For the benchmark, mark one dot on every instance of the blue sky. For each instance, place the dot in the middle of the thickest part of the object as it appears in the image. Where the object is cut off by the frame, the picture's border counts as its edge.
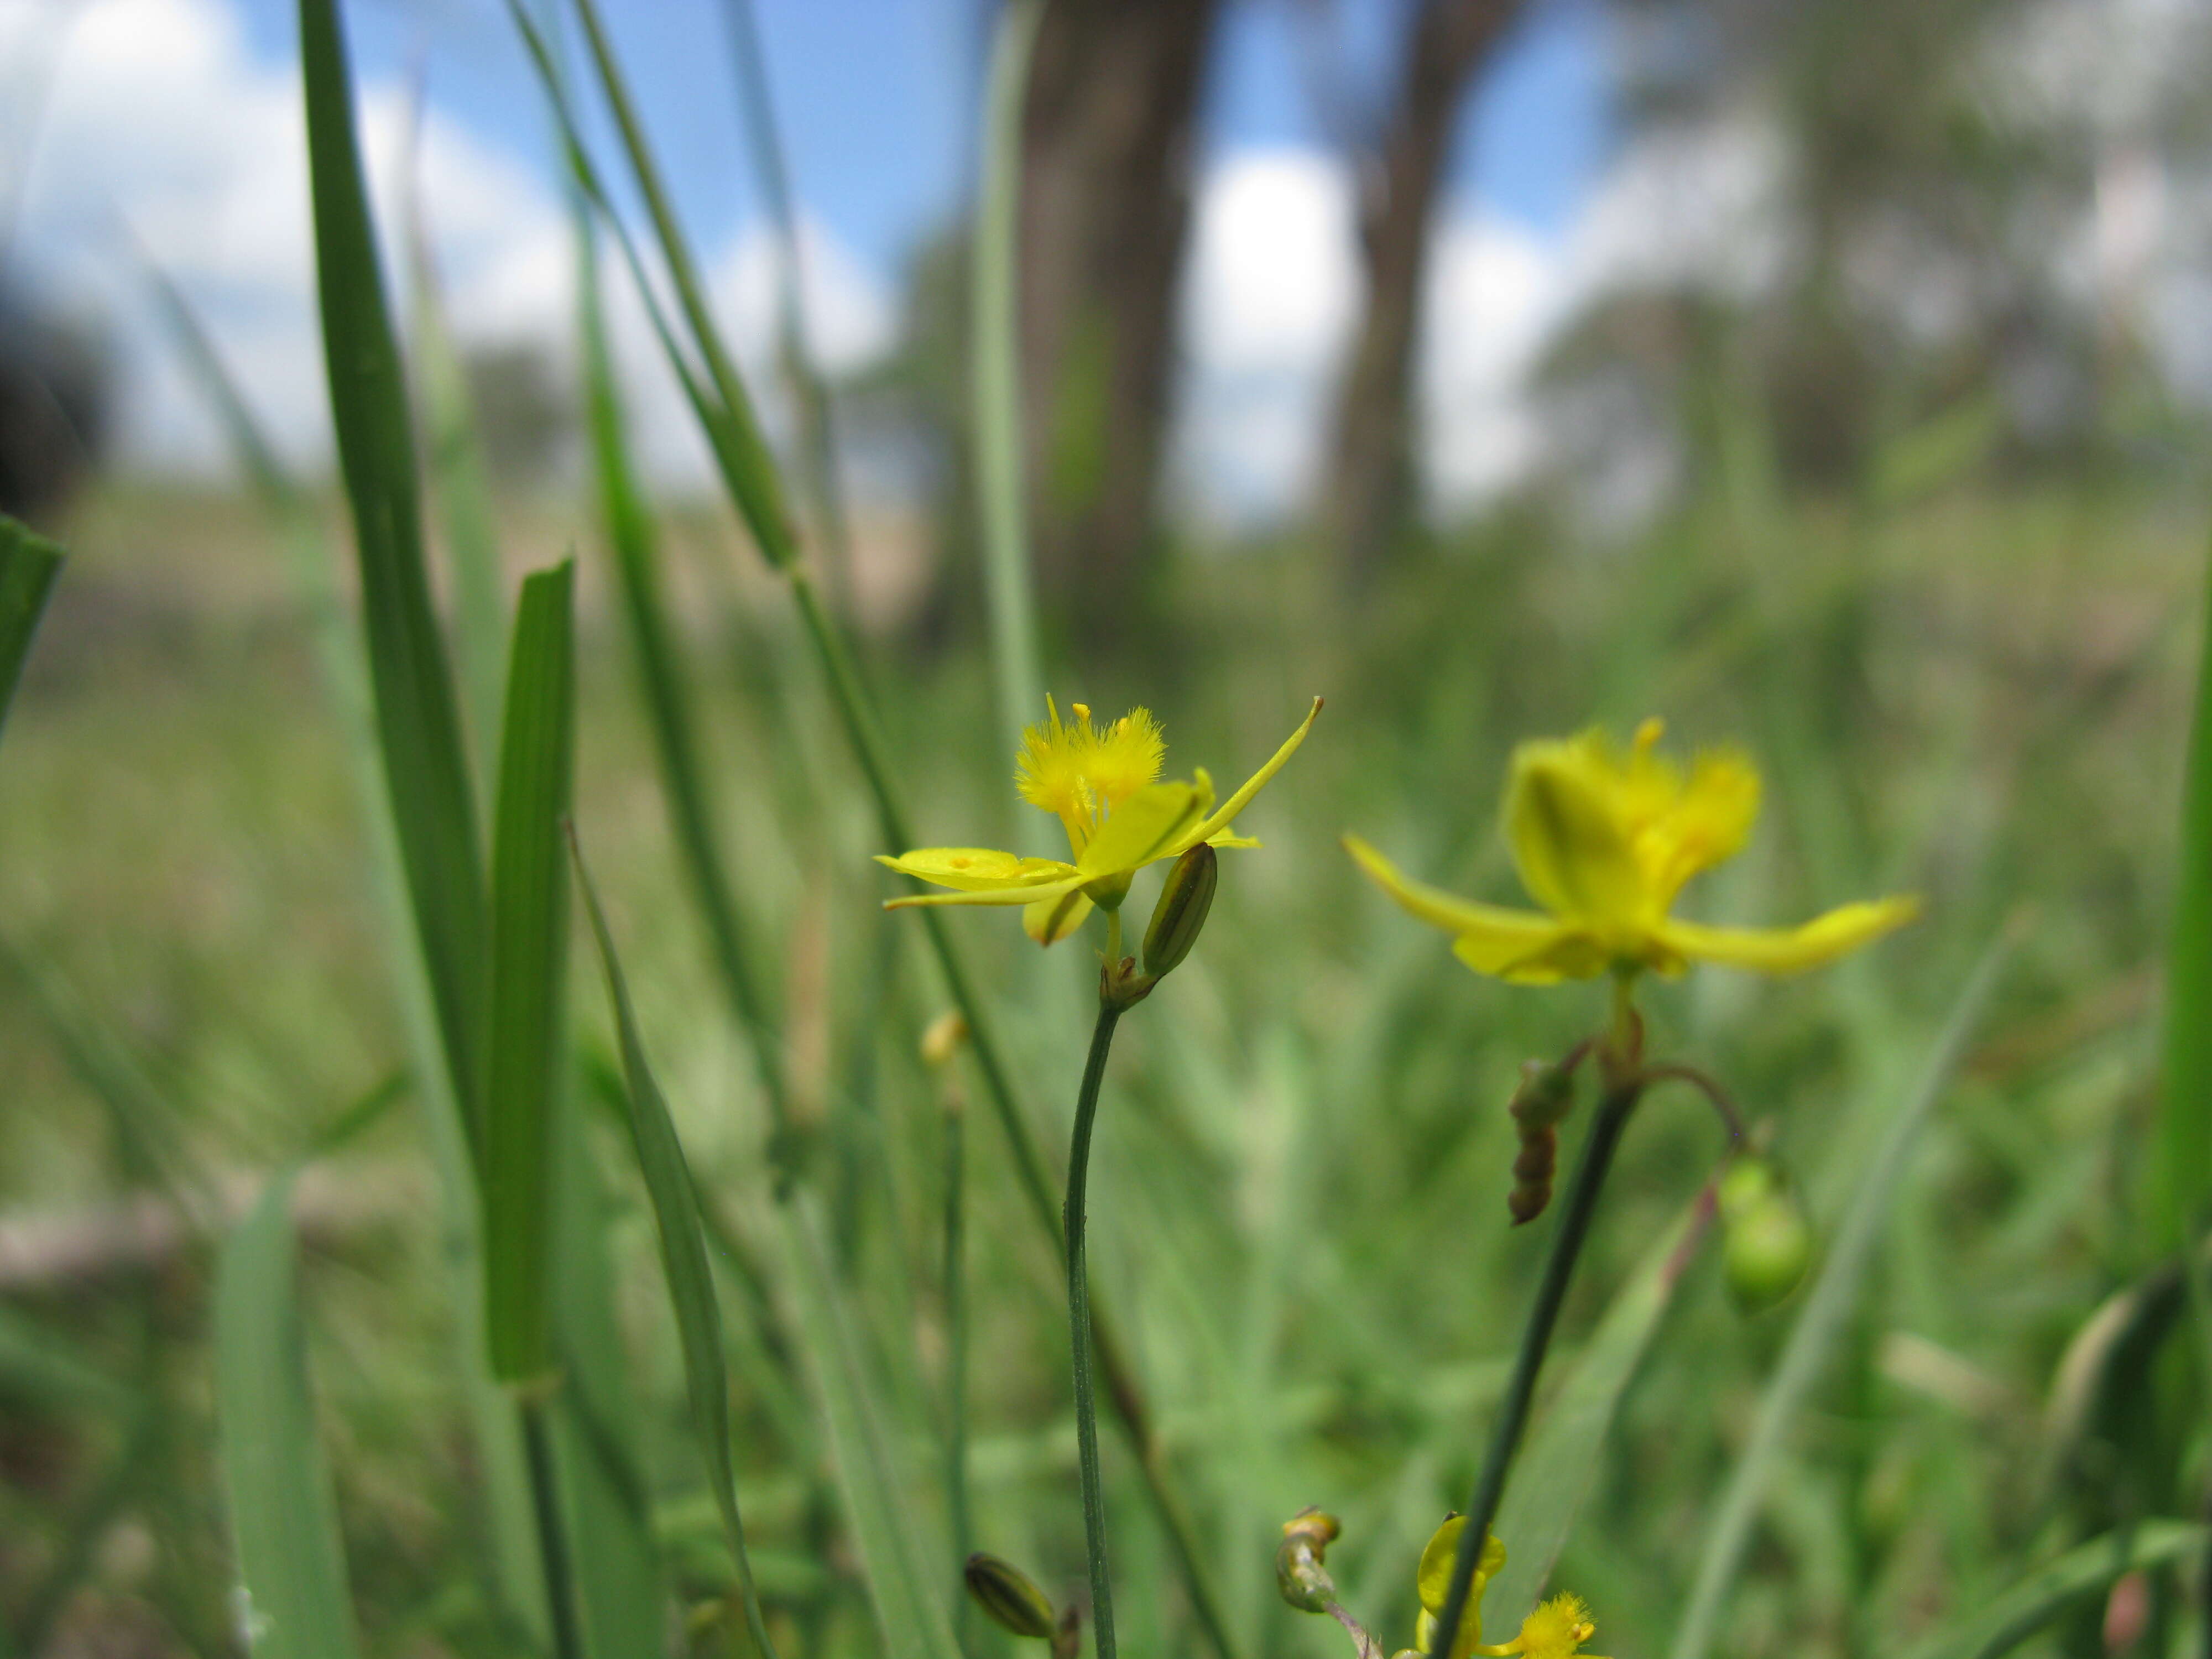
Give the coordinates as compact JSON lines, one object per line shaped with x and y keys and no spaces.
{"x":874,"y":98}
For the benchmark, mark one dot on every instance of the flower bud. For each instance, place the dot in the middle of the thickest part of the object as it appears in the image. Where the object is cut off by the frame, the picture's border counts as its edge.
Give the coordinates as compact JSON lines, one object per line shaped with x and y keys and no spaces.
{"x":1008,"y":1598}
{"x":1747,"y":1180}
{"x":943,"y":1039}
{"x":1770,"y":1246}
{"x":1185,"y":898}
{"x":1300,"y":1577}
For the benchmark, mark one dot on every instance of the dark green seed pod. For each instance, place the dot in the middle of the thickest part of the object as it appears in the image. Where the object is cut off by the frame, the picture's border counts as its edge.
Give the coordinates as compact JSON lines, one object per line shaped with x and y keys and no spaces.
{"x":1008,"y":1598}
{"x":1180,"y":916}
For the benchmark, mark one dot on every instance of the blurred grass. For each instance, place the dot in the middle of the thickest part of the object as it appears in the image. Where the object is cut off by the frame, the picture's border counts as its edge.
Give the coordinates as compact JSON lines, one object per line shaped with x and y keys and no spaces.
{"x":1978,"y":696}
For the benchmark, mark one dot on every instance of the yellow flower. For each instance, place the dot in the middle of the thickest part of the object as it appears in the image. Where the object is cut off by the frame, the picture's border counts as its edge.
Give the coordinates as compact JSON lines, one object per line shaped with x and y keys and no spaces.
{"x":1556,"y":1630}
{"x":1604,"y":840}
{"x":1099,"y":781}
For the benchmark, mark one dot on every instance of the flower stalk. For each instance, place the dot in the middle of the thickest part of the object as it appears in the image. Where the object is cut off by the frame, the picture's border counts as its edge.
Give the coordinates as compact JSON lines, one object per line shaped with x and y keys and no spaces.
{"x":1624,"y":1088}
{"x":1078,"y":1307}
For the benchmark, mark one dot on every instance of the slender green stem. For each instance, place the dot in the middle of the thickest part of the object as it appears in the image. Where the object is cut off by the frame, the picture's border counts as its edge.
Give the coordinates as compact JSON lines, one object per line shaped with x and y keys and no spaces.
{"x":1079,"y":1335}
{"x":995,"y":376}
{"x":552,"y":1533}
{"x":1113,"y":940}
{"x":1596,"y":1158}
{"x":956,"y":1358}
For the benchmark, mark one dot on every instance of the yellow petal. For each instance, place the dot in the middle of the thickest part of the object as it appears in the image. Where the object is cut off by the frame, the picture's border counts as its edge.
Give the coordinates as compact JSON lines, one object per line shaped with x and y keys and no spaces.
{"x":1141,"y":829}
{"x":1563,"y":821}
{"x":1214,"y":822}
{"x":1432,"y":1580}
{"x":1524,"y":929}
{"x":1792,"y":949}
{"x":1021,"y":893}
{"x":1538,"y":952}
{"x":1050,"y":920}
{"x":1708,"y":819}
{"x":976,"y":869}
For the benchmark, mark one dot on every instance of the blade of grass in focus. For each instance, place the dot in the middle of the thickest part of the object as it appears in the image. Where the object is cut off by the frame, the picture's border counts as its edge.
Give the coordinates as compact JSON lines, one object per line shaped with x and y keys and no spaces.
{"x":339,"y":660}
{"x":418,"y":724}
{"x":683,"y":1256}
{"x":1558,"y":1466}
{"x":28,"y":566}
{"x":994,"y":379}
{"x":2048,"y":1592}
{"x":1827,"y":1307}
{"x":529,"y":974}
{"x":283,"y":1516}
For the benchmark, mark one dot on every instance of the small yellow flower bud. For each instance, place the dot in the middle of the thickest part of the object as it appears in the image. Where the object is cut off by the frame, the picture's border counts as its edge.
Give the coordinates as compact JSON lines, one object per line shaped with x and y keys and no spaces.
{"x":943,"y":1039}
{"x":1180,"y":916}
{"x":1008,"y":1597}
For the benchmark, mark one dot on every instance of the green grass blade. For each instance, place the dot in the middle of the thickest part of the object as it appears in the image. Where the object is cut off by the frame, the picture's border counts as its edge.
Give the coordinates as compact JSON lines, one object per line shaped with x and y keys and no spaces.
{"x":42,"y":1364}
{"x":28,"y":565}
{"x":2048,"y":1592}
{"x":418,"y":727}
{"x":914,"y":1622}
{"x":1558,"y":1466}
{"x":265,"y":472}
{"x":682,"y":1257}
{"x":516,"y":1585}
{"x":634,"y":539}
{"x":2181,"y":1162}
{"x":619,"y":1590}
{"x":755,"y":484}
{"x":994,"y":380}
{"x":817,"y":429}
{"x":462,"y":489}
{"x":529,"y":974}
{"x":284,"y":1516}
{"x":1827,"y":1308}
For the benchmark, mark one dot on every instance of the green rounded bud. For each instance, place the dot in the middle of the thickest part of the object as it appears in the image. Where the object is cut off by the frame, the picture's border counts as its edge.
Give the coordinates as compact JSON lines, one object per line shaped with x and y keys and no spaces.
{"x":1300,"y":1577}
{"x":1008,"y":1598}
{"x":1180,"y":916}
{"x":1748,"y":1181}
{"x":1770,"y":1246}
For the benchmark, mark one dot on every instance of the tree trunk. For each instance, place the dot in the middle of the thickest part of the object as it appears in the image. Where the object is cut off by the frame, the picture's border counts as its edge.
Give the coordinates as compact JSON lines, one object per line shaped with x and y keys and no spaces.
{"x":1105,"y":212}
{"x":1371,"y":478}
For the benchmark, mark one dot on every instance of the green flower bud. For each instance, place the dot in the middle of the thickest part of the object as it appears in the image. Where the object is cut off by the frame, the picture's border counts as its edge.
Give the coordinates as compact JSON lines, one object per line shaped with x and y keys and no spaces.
{"x":1185,"y":898}
{"x":1748,"y":1181}
{"x":1300,"y":1577}
{"x":1008,"y":1598}
{"x":1770,"y":1246}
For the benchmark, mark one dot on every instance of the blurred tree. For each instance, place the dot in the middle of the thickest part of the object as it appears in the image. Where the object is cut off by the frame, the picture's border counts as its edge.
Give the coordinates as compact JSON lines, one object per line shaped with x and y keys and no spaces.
{"x":54,"y":396}
{"x":526,"y":416}
{"x":1105,"y":213}
{"x":1370,"y":481}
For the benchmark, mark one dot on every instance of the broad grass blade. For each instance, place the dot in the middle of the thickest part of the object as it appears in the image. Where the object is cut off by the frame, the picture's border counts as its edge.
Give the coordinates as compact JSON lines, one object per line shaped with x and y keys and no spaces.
{"x":2031,"y":1605}
{"x":529,"y":974}
{"x":1826,"y":1308}
{"x":683,"y":1256}
{"x":2181,"y":1159}
{"x":291,"y":1563}
{"x":28,"y":565}
{"x":1554,"y":1473}
{"x":418,"y":725}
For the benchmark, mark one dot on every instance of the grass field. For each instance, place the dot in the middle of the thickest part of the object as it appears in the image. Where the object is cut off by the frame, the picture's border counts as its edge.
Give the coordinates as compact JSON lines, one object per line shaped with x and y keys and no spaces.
{"x":1299,"y":1207}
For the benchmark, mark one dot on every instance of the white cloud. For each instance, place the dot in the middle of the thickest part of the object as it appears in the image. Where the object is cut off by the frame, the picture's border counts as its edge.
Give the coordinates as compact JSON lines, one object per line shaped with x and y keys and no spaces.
{"x":163,"y":127}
